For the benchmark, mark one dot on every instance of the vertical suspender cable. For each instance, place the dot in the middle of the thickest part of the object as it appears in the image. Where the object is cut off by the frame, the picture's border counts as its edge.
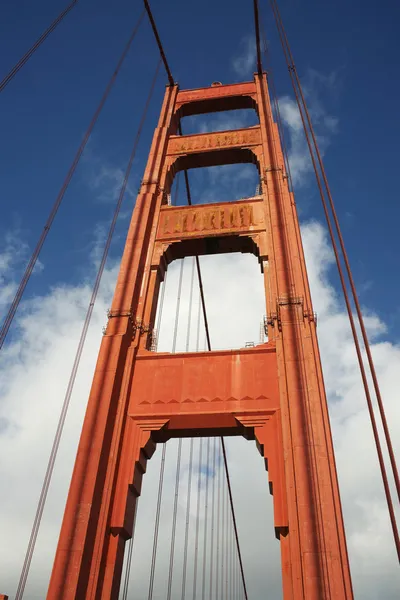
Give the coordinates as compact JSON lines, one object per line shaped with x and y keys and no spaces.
{"x":71,"y":382}
{"x":128,"y":570}
{"x":223,"y":541}
{"x":171,"y":82}
{"x":203,"y":304}
{"x":203,"y":584}
{"x":160,"y":309}
{"x":305,"y":115}
{"x":175,"y":511}
{"x":211,"y":588}
{"x":217,"y":575}
{"x":28,"y":271}
{"x":196,"y":543}
{"x":198,"y":324}
{"x":178,"y":304}
{"x":24,"y":59}
{"x":190,"y":307}
{"x":185,"y":546}
{"x":157,"y":523}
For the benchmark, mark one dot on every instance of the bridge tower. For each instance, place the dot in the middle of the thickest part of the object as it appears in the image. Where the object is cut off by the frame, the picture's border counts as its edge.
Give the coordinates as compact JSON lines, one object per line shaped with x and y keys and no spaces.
{"x":272,"y":393}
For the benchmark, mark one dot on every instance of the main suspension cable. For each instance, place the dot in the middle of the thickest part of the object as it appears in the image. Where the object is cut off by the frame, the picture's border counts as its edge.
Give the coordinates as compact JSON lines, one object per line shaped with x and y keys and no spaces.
{"x":24,"y":59}
{"x":171,"y":82}
{"x":305,"y":116}
{"x":257,"y":31}
{"x":75,"y":366}
{"x":159,"y":44}
{"x":203,"y":304}
{"x":348,"y":270}
{"x":29,"y":269}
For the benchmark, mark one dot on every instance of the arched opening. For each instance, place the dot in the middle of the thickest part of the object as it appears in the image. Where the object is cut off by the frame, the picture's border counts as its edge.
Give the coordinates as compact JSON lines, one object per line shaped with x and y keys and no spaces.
{"x":234,"y":296}
{"x":219,"y":121}
{"x":225,"y":183}
{"x":253,"y":509}
{"x":215,"y":176}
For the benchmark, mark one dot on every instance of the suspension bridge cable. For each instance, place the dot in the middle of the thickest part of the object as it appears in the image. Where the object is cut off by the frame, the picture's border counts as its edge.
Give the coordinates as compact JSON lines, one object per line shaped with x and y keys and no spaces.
{"x":24,"y":59}
{"x":157,"y":523}
{"x":190,"y":307}
{"x":171,"y":82}
{"x":196,"y":543}
{"x":220,"y":480}
{"x":228,"y":481}
{"x":189,"y":200}
{"x":223,"y":541}
{"x":128,"y":570}
{"x":160,"y":311}
{"x":211,"y":588}
{"x":257,"y":30}
{"x":206,"y":495}
{"x":75,"y":366}
{"x":198,"y":324}
{"x":347,"y":264}
{"x":185,"y":546}
{"x":175,"y":512}
{"x":304,"y":113}
{"x":178,"y":305}
{"x":159,"y":44}
{"x":28,"y":271}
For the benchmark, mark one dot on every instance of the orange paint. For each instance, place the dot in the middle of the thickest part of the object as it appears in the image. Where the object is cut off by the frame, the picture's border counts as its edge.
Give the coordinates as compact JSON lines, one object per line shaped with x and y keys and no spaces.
{"x":273,"y":393}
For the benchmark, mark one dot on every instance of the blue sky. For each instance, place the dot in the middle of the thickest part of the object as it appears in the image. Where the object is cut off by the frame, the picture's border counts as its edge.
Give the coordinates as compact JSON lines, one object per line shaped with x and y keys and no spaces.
{"x":47,"y":107}
{"x":347,"y":55}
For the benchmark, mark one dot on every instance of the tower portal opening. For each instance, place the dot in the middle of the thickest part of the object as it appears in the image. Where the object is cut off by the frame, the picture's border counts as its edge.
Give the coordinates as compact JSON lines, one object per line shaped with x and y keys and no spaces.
{"x":235,"y":303}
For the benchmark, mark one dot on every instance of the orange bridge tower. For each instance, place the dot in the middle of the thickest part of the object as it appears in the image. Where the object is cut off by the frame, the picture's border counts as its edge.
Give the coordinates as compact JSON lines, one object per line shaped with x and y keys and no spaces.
{"x":272,"y":393}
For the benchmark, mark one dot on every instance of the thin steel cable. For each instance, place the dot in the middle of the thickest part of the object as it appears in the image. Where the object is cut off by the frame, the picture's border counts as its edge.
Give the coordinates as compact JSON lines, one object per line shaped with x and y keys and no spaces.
{"x":198,"y":324}
{"x":24,"y":59}
{"x":159,"y":44}
{"x":217,"y":577}
{"x":157,"y":523}
{"x":206,"y":495}
{"x":176,"y":193}
{"x":175,"y":512}
{"x":348,"y":269}
{"x":28,"y":271}
{"x":228,"y":480}
{"x":189,"y":322}
{"x":178,"y":305}
{"x":208,"y":340}
{"x":257,"y":31}
{"x":223,"y":541}
{"x":75,"y":366}
{"x":161,"y":308}
{"x":185,"y":547}
{"x":128,"y":570}
{"x":211,"y":588}
{"x":196,"y":543}
{"x":302,"y":106}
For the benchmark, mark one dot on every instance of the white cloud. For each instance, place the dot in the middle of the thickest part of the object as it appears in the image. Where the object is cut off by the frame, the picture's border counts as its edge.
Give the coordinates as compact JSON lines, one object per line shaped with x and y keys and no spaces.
{"x":14,"y":254}
{"x":315,"y":85}
{"x":34,"y":371}
{"x":244,"y":63}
